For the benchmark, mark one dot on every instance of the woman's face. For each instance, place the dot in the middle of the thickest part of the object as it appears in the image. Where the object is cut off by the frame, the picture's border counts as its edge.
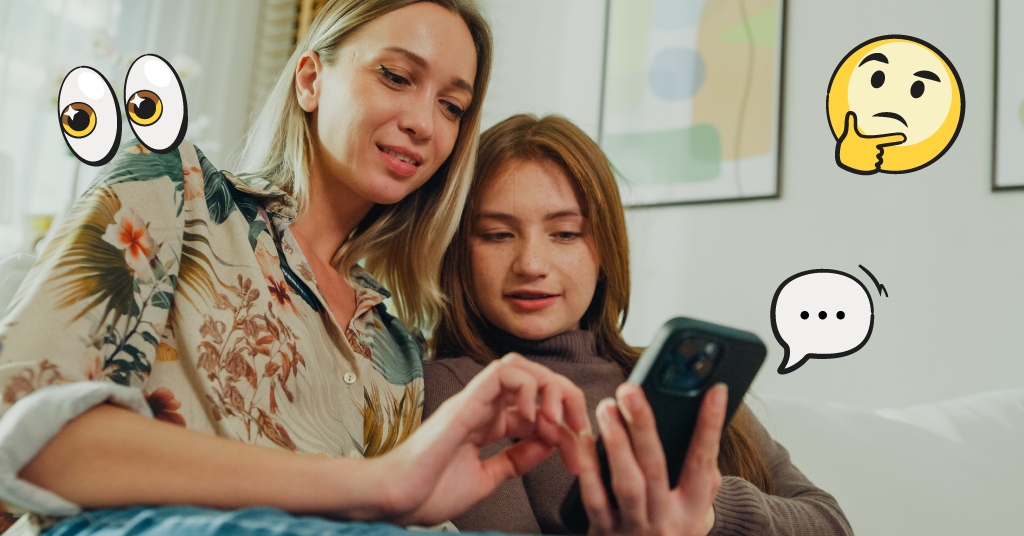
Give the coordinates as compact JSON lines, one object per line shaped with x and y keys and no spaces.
{"x":386,"y":113}
{"x":535,"y":266}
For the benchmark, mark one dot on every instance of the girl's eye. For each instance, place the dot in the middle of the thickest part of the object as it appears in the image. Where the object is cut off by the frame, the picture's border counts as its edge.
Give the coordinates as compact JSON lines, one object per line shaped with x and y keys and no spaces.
{"x":567,"y":235}
{"x":453,"y":110}
{"x":392,"y":77}
{"x":497,"y":236}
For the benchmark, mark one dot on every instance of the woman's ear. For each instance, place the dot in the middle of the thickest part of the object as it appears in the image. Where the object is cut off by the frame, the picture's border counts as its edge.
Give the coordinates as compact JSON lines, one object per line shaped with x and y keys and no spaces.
{"x":307,"y":80}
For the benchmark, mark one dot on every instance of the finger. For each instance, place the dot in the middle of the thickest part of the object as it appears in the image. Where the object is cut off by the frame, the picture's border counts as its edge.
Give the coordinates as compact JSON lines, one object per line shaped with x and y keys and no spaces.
{"x":563,"y":439}
{"x":517,"y":460}
{"x":850,"y":125}
{"x":592,"y":492}
{"x":700,"y":478}
{"x":643,"y":432}
{"x":628,"y":482}
{"x":573,"y":407}
{"x":886,"y":141}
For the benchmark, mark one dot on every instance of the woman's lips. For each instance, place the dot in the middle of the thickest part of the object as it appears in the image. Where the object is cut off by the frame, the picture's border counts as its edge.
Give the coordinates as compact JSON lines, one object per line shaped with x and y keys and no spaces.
{"x":398,"y":164}
{"x":530,"y":301}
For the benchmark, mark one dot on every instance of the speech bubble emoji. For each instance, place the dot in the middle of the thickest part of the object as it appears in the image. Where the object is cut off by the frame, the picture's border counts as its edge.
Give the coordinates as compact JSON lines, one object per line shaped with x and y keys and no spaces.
{"x":895,"y":104}
{"x":821,"y":314}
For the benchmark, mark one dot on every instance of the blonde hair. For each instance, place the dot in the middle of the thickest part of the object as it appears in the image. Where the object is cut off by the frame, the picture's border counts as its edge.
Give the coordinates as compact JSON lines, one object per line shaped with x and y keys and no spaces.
{"x":402,"y":243}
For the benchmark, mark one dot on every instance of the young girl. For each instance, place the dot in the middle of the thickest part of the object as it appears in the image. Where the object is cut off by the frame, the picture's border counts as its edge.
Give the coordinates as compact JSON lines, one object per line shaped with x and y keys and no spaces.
{"x":196,"y":343}
{"x":540,"y":266}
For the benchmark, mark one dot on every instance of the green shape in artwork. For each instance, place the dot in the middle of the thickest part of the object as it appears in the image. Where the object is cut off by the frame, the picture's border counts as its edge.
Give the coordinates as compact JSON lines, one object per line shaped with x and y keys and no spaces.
{"x":684,"y":155}
{"x":762,"y":30}
{"x":1021,"y":113}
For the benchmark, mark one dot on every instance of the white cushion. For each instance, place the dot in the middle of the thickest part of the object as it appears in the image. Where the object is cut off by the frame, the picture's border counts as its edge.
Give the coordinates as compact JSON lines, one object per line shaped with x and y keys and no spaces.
{"x":12,"y":273}
{"x":945,"y":468}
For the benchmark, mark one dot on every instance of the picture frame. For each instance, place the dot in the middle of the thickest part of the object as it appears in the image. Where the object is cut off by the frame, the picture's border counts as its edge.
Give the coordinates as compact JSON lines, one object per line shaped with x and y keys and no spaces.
{"x":673,"y":122}
{"x":1008,"y":113}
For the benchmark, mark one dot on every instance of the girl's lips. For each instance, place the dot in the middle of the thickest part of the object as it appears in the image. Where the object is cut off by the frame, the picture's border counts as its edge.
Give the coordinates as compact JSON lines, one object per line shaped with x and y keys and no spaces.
{"x":398,"y":166}
{"x":532,"y":305}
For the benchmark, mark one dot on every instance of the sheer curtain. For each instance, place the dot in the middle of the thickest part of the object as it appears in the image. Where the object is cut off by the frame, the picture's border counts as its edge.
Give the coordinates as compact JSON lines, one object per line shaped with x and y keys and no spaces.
{"x":213,"y":44}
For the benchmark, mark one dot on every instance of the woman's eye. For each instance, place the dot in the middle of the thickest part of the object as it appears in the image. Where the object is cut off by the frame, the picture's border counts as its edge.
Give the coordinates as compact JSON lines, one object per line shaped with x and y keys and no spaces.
{"x":567,"y":235}
{"x":155,"y":103}
{"x":89,"y":116}
{"x":392,"y":77}
{"x":454,"y":110}
{"x":497,"y":236}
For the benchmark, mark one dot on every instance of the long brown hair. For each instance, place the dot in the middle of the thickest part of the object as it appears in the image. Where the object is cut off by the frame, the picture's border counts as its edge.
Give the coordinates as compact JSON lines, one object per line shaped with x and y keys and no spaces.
{"x":462,"y":327}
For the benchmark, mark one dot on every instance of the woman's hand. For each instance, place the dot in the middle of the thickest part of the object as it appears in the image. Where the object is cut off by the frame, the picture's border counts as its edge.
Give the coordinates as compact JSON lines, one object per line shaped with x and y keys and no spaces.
{"x":639,"y":475}
{"x":437,"y":473}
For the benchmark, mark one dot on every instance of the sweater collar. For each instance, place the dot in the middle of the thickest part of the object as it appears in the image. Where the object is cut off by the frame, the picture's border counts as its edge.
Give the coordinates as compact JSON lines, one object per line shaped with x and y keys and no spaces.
{"x":575,"y":345}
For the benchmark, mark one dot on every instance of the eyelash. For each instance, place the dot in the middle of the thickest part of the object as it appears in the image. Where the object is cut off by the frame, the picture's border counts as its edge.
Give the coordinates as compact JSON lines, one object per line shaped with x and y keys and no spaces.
{"x":452,"y":109}
{"x":571,"y":235}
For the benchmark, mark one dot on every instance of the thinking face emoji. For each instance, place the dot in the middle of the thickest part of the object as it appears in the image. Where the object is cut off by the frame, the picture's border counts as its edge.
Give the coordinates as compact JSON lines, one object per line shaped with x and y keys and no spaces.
{"x":895,"y":104}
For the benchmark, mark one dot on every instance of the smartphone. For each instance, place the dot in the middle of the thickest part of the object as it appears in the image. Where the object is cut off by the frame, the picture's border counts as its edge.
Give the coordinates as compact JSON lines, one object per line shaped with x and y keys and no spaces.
{"x":684,"y":360}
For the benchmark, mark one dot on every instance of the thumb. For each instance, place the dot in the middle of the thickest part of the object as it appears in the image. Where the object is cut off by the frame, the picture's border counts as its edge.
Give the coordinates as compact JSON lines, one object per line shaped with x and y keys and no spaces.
{"x":851,"y":124}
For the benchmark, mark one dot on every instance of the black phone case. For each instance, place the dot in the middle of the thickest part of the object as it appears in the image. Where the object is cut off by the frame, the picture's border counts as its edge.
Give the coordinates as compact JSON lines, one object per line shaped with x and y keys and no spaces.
{"x":674,"y":398}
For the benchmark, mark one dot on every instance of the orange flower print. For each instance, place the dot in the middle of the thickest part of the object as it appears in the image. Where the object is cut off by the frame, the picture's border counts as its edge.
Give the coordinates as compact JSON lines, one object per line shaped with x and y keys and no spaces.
{"x":193,"y":183}
{"x":136,"y":149}
{"x":165,"y":406}
{"x":129,"y":233}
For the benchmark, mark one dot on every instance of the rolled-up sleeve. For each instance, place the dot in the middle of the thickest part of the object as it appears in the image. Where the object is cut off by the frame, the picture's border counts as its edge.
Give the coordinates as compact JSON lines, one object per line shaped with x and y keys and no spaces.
{"x":85,"y":326}
{"x":30,"y":423}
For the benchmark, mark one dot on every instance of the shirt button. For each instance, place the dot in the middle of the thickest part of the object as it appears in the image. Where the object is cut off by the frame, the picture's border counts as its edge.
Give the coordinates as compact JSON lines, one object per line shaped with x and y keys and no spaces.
{"x":350,"y":378}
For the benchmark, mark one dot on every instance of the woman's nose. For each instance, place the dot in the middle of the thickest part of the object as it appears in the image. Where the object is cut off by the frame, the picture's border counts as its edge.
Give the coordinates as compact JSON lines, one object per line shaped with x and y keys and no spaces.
{"x":532,"y":259}
{"x":417,"y":119}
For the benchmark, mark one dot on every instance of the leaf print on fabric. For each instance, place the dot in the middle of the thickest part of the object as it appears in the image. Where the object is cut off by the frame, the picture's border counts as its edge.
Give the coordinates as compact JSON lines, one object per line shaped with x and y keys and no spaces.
{"x":135,"y":163}
{"x":109,"y":259}
{"x":165,"y":406}
{"x":165,"y":353}
{"x":218,"y":193}
{"x":387,"y":420}
{"x":232,"y":355}
{"x":98,"y":271}
{"x":129,"y":234}
{"x":196,"y":272}
{"x":30,"y":379}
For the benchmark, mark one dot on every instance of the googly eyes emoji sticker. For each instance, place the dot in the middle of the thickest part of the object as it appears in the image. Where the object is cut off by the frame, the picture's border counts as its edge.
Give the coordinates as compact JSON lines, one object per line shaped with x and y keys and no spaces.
{"x":895,"y":105}
{"x":155,"y":105}
{"x":89,"y":116}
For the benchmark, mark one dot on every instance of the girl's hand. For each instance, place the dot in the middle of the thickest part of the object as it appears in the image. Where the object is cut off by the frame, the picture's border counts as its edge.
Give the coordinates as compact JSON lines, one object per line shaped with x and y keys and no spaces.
{"x":639,"y":476}
{"x":437,"y":472}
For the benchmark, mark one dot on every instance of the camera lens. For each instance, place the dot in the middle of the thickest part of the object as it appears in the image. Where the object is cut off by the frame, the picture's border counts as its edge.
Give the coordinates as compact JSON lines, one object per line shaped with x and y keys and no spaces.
{"x":689,"y":348}
{"x":711,"y":349}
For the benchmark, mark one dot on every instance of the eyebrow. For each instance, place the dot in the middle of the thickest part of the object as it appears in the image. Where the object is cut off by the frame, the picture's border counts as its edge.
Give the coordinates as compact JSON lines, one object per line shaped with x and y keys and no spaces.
{"x":501,"y":216}
{"x":874,"y":57}
{"x":927,"y":74}
{"x":422,"y":62}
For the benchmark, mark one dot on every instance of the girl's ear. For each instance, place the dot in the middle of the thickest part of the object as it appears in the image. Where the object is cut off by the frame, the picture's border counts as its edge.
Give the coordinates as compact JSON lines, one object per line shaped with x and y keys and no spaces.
{"x":307,"y":80}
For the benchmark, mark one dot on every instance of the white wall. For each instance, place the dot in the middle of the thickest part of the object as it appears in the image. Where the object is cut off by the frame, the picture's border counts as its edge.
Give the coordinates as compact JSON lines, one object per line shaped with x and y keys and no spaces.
{"x":950,"y":252}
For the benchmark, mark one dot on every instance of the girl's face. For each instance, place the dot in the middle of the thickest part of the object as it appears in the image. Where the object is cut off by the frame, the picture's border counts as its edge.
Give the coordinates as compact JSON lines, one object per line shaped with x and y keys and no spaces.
{"x":386,"y":113}
{"x":534,"y":263}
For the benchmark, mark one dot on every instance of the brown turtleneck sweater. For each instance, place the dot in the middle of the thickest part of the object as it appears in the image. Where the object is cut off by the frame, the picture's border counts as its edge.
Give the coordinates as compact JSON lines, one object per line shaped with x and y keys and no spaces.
{"x":530,"y":505}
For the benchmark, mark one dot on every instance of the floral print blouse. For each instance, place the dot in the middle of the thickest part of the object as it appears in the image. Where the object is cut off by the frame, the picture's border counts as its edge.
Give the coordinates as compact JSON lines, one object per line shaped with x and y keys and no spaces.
{"x":177,"y":290}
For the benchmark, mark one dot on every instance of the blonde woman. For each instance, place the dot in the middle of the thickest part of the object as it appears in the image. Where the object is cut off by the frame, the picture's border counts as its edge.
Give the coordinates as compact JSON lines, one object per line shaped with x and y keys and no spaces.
{"x":206,"y":340}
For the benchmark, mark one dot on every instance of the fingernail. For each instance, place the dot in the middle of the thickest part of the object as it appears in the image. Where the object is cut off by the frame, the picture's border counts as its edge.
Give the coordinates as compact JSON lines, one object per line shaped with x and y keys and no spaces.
{"x":627,"y":401}
{"x":603,"y":417}
{"x":723,"y":392}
